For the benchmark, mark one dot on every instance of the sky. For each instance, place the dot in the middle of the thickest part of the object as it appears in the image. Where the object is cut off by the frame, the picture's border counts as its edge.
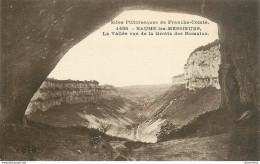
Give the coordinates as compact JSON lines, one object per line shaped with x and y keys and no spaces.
{"x":132,"y":60}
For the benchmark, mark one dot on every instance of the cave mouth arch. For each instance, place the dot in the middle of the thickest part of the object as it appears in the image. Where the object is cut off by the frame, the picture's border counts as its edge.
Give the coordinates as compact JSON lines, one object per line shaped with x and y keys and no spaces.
{"x":147,"y":53}
{"x":175,"y":48}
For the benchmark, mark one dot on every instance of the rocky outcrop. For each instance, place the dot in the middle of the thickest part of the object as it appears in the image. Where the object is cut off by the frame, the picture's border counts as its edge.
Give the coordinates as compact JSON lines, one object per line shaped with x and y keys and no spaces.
{"x":57,"y":92}
{"x":177,"y":105}
{"x":66,"y":103}
{"x":201,"y":69}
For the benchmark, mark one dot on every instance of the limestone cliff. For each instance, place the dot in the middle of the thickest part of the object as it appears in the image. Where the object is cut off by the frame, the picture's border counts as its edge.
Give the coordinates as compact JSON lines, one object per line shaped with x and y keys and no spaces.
{"x":192,"y":94}
{"x":201,"y":69}
{"x":57,"y":92}
{"x":66,"y":103}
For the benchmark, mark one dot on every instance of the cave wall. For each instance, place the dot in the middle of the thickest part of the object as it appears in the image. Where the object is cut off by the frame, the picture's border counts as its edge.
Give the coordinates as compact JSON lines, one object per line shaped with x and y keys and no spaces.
{"x":239,"y":70}
{"x":239,"y":81}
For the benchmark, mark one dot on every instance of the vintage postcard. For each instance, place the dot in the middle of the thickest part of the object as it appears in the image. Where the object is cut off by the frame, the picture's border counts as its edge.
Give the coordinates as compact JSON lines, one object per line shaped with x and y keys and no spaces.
{"x":129,"y":80}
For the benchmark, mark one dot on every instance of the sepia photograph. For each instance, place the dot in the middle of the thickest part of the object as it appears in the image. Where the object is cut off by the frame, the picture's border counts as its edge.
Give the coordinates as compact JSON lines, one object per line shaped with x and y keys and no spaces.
{"x":129,"y":80}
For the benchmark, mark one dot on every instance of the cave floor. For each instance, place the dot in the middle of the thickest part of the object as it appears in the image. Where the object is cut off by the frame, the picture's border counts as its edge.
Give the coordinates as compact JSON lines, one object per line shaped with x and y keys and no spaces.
{"x":198,"y":148}
{"x":78,"y":144}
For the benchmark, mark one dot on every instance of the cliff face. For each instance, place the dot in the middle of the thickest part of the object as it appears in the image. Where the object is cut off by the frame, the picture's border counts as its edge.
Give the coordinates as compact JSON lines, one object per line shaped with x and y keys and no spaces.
{"x":66,"y":103}
{"x":178,"y":106}
{"x":201,"y":69}
{"x":57,"y":92}
{"x":182,"y":103}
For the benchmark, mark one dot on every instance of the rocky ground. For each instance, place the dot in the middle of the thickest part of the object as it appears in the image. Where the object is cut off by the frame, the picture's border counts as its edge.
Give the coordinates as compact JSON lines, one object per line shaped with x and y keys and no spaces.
{"x":44,"y":143}
{"x":72,"y":144}
{"x":198,"y":148}
{"x":177,"y":106}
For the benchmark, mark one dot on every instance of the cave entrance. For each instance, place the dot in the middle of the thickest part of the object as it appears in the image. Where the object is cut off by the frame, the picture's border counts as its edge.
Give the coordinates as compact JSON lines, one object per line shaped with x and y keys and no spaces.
{"x":138,"y":56}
